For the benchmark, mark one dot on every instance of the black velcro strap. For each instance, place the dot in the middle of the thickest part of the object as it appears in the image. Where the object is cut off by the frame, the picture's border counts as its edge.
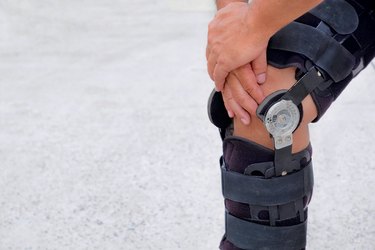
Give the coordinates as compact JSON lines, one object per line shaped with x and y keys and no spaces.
{"x":256,"y":190}
{"x":304,"y":86}
{"x":338,"y":14}
{"x":248,"y":235}
{"x":322,"y":50}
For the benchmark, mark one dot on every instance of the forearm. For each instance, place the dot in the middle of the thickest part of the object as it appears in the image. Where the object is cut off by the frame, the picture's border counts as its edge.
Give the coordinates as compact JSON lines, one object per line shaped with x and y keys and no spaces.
{"x":222,"y":3}
{"x":269,"y":16}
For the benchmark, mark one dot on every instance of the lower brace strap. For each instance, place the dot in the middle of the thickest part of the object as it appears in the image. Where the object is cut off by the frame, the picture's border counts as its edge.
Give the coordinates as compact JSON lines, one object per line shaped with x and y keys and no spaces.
{"x":267,"y":192}
{"x":247,"y":235}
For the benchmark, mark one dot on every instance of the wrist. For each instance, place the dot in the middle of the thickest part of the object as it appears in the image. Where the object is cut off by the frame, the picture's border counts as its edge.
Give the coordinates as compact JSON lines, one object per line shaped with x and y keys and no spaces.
{"x":222,"y":3}
{"x":257,"y":23}
{"x":266,"y":16}
{"x":258,"y":31}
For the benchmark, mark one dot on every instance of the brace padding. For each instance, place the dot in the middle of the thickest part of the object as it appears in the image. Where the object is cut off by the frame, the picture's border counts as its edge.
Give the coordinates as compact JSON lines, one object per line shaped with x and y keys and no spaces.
{"x":338,"y":14}
{"x":338,"y":37}
{"x":316,"y":46}
{"x":253,"y":236}
{"x":263,"y":211}
{"x":267,"y":192}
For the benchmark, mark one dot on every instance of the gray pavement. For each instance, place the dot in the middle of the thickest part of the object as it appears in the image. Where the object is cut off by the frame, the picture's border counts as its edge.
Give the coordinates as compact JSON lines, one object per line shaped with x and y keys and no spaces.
{"x":105,"y":143}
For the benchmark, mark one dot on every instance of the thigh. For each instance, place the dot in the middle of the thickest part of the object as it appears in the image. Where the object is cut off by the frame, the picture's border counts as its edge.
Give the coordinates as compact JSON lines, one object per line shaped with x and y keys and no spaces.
{"x":278,"y":79}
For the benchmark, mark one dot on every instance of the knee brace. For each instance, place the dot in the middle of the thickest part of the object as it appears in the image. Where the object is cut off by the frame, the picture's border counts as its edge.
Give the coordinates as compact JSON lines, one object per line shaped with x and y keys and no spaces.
{"x":267,"y":192}
{"x":264,"y":210}
{"x":337,"y":38}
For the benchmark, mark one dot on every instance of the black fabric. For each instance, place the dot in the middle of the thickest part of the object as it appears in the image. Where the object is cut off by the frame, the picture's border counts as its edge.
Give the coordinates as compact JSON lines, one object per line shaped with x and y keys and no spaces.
{"x":304,"y":86}
{"x":323,"y":99}
{"x":240,"y":153}
{"x":316,"y":46}
{"x":360,"y":44}
{"x":217,"y":113}
{"x":267,"y":192}
{"x":345,"y":22}
{"x":240,"y":156}
{"x":252,"y":236}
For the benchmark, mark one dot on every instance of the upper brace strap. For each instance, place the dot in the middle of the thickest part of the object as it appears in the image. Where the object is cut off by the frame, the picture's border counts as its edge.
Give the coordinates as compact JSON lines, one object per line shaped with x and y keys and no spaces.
{"x":248,"y":235}
{"x":275,"y":191}
{"x":316,"y":46}
{"x":344,"y":23}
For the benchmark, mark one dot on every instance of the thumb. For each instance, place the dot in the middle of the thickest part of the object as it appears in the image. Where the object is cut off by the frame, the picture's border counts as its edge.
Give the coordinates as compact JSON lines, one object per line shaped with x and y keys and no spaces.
{"x":259,"y":66}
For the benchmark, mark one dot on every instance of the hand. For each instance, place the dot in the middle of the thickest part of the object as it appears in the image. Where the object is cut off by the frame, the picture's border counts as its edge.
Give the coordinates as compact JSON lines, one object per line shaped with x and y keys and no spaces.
{"x":242,"y":94}
{"x":233,"y":41}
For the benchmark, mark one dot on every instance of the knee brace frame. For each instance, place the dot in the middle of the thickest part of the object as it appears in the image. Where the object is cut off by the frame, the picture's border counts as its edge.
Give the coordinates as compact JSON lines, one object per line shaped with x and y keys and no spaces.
{"x":342,"y":31}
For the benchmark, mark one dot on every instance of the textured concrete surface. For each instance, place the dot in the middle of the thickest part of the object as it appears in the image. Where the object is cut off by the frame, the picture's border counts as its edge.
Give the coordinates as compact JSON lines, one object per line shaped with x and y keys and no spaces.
{"x":105,"y":143}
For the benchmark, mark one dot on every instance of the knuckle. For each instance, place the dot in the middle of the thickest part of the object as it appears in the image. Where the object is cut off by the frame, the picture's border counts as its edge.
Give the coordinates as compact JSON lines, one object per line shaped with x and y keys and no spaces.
{"x":252,"y":107}
{"x":215,"y":49}
{"x":227,"y":98}
{"x":221,"y":60}
{"x":242,"y":99}
{"x":249,"y":89}
{"x":230,"y":99}
{"x":259,"y":67}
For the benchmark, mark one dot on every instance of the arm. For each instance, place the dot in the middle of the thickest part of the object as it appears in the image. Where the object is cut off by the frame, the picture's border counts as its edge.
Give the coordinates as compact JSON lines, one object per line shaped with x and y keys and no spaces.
{"x":239,"y":33}
{"x":272,"y":15}
{"x":222,"y":3}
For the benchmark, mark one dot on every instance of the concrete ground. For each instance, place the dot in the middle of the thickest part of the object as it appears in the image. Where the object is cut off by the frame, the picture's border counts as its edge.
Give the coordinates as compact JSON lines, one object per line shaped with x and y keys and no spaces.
{"x":105,"y":142}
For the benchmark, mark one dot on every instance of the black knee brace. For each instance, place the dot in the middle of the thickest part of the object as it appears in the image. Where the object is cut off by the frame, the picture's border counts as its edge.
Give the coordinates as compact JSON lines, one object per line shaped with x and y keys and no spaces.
{"x":264,"y":211}
{"x":337,"y":37}
{"x":267,"y":192}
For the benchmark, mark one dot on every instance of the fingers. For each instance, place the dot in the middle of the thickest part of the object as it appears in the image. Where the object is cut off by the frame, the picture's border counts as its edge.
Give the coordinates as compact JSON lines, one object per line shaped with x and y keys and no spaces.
{"x":241,"y":96}
{"x":233,"y":108}
{"x":215,"y":66}
{"x":213,"y":71}
{"x":246,"y":77}
{"x":216,"y":72}
{"x":219,"y":75}
{"x":211,"y":61}
{"x":237,"y":101}
{"x":259,"y":66}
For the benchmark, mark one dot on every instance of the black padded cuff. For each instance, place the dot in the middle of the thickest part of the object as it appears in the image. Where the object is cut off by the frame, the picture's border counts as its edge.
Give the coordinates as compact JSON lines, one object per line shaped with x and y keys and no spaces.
{"x":248,"y":235}
{"x":275,"y":191}
{"x":321,"y":48}
{"x":344,"y":23}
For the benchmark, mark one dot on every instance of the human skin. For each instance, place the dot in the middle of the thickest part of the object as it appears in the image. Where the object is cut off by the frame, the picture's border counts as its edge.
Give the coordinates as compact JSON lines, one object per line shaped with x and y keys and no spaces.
{"x":236,"y":48}
{"x":255,"y":131}
{"x":236,"y":97}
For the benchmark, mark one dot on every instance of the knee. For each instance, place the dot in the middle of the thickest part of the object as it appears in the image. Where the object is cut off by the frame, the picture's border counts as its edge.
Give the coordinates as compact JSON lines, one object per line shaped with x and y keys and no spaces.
{"x":278,"y":79}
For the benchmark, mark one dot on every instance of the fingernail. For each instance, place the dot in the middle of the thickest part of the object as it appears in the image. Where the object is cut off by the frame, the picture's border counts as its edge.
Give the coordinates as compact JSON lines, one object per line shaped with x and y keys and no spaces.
{"x":261,"y":78}
{"x":245,"y":121}
{"x":230,"y":114}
